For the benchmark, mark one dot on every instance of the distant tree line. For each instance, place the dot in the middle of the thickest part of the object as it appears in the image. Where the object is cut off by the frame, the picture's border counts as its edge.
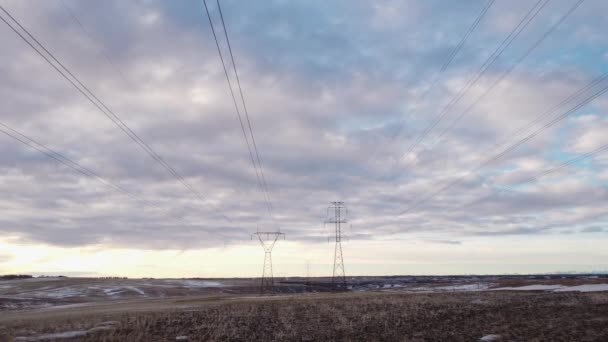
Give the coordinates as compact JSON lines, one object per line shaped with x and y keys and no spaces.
{"x":15,"y":276}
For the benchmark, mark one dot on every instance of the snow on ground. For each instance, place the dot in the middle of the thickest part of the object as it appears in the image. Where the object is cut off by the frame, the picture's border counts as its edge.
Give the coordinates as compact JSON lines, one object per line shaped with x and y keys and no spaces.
{"x":117,"y":290}
{"x":197,"y":283}
{"x":464,"y":287}
{"x":66,"y":334}
{"x":447,"y":288}
{"x":489,"y":338}
{"x":557,"y":288}
{"x":63,"y":292}
{"x":585,"y":288}
{"x":135,"y":289}
{"x":100,"y":288}
{"x":109,"y":325}
{"x":530,"y":288}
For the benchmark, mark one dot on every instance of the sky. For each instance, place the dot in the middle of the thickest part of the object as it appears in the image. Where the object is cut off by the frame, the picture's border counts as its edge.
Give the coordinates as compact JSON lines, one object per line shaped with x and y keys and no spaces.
{"x":339,"y":96}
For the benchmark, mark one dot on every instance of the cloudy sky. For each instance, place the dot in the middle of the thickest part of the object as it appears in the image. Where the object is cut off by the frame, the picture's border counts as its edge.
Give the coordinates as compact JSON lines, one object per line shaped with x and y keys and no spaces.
{"x":340,"y":94}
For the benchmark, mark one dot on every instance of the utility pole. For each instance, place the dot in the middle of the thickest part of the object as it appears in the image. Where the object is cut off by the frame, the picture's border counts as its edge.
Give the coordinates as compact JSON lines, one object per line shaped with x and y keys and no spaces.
{"x":339,"y":212}
{"x":267,"y":240}
{"x":307,"y":274}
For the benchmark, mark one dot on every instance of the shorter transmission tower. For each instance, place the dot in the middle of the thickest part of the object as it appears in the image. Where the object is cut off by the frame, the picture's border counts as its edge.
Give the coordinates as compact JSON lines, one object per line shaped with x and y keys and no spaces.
{"x":339,"y":212}
{"x":268,"y":240}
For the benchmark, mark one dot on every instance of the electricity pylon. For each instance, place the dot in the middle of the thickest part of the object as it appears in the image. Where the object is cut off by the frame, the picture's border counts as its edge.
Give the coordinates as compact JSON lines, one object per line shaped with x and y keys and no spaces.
{"x":267,"y":240}
{"x":339,"y":212}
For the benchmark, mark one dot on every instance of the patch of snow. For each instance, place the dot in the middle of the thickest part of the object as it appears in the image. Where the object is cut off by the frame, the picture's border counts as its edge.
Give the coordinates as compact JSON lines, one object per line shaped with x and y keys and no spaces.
{"x":113,"y":291}
{"x":200,"y":283}
{"x":16,"y":298}
{"x":585,"y":288}
{"x":490,"y":338}
{"x":108,"y":323}
{"x":464,"y":287}
{"x":181,"y":338}
{"x":461,"y":287}
{"x":65,"y":334}
{"x":135,"y":289}
{"x":100,"y":328}
{"x":531,"y":288}
{"x":117,"y":290}
{"x":103,"y":326}
{"x":62,"y":292}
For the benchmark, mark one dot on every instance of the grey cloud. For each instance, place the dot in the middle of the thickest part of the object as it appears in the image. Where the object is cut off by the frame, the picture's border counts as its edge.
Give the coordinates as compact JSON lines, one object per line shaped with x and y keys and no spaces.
{"x":444,"y":242}
{"x":596,"y":229}
{"x":335,"y":101}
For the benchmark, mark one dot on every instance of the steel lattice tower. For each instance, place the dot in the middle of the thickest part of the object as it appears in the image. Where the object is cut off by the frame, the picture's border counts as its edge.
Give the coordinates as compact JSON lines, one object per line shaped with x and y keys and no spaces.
{"x":268,"y":240}
{"x":339,"y":212}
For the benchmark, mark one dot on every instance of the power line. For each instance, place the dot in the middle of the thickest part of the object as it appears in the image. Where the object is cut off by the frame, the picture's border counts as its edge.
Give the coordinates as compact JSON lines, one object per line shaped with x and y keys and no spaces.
{"x":509,"y":70}
{"x":489,"y":61}
{"x":61,"y":158}
{"x":518,"y":132}
{"x":70,"y":163}
{"x":448,"y":61}
{"x":523,"y":23}
{"x":466,"y":36}
{"x":100,"y":105}
{"x":74,"y":17}
{"x":261,"y":184}
{"x":569,"y":162}
{"x":522,"y":129}
{"x":238,"y":81}
{"x":555,"y":120}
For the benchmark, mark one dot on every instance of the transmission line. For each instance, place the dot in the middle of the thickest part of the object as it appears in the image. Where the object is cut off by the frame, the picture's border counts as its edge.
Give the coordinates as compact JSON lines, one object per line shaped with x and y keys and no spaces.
{"x":91,"y":97}
{"x":519,"y":131}
{"x":509,"y":70}
{"x":569,"y":162}
{"x":61,"y":158}
{"x":74,"y":17}
{"x":448,"y":61}
{"x":259,"y":173}
{"x":466,"y":36}
{"x":523,"y":23}
{"x":238,"y":81}
{"x":547,"y":125}
{"x":75,"y":166}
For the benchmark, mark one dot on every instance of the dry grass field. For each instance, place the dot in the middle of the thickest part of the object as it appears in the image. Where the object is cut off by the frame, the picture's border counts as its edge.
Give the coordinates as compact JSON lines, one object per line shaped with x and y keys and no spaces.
{"x":459,"y":316}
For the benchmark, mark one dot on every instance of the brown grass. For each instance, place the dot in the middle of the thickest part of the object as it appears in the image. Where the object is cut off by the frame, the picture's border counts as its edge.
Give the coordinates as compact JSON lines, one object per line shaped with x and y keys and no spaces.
{"x":354,"y":317}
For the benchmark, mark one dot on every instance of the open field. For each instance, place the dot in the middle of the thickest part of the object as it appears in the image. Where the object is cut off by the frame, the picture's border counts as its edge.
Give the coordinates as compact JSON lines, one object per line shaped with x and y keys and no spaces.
{"x":364,"y":316}
{"x":378,"y":308}
{"x":40,"y":293}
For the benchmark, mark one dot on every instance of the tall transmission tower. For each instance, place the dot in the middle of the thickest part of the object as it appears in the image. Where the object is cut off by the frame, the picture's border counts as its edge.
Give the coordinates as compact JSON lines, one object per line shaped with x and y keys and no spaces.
{"x":268,"y":240}
{"x":339,"y":212}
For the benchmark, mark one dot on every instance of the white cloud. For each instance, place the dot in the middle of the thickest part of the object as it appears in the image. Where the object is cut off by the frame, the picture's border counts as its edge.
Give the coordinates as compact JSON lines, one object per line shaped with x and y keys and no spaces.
{"x":334,"y":109}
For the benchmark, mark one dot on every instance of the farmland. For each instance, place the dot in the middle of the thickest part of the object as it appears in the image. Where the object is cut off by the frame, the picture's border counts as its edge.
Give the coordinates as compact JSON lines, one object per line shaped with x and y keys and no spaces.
{"x":198,"y":310}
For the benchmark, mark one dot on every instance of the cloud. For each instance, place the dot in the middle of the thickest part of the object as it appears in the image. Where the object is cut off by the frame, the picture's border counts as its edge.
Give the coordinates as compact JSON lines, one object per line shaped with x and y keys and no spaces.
{"x":335,"y":94}
{"x":444,"y":242}
{"x":590,"y":133}
{"x":593,"y":229}
{"x":5,"y":257}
